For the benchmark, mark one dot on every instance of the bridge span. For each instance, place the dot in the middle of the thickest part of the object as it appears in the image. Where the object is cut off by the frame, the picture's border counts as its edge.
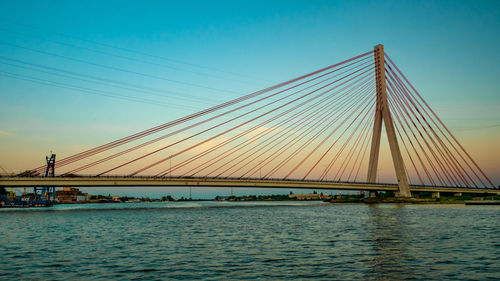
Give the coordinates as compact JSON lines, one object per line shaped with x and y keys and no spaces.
{"x":120,"y":181}
{"x":324,"y":124}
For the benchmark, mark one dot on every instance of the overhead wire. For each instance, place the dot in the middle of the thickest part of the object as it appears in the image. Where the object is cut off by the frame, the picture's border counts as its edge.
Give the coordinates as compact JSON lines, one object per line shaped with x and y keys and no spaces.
{"x":329,"y":148}
{"x":436,"y":117}
{"x":271,"y":119}
{"x":346,"y":106}
{"x":82,"y":89}
{"x":115,"y":55}
{"x":336,"y":96}
{"x":303,"y":146}
{"x":164,"y":126}
{"x":296,"y":124}
{"x":397,"y":126}
{"x":225,"y":122}
{"x":440,"y":157}
{"x":99,"y":80}
{"x":415,"y":131}
{"x":288,"y":145}
{"x":118,"y":69}
{"x":347,"y":159}
{"x":133,"y":51}
{"x":449,"y":159}
{"x":255,"y":118}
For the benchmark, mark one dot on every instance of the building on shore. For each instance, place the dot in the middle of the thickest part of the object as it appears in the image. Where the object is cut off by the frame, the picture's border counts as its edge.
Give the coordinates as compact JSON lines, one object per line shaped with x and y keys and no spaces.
{"x":71,"y":195}
{"x":311,"y":196}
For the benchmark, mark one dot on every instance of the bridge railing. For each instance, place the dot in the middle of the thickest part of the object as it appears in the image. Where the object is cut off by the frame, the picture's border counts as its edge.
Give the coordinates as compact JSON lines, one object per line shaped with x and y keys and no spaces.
{"x":240,"y":179}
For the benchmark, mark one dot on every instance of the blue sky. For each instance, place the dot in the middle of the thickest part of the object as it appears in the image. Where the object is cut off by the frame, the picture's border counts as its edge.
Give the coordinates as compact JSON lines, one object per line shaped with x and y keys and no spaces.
{"x":219,"y":50}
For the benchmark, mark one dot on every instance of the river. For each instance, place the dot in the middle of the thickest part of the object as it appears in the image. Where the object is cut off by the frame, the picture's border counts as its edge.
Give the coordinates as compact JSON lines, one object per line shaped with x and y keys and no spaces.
{"x":250,"y":240}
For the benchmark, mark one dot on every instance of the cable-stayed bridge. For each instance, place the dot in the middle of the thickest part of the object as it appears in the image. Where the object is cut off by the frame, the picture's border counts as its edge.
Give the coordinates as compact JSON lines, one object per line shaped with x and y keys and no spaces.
{"x":328,"y":129}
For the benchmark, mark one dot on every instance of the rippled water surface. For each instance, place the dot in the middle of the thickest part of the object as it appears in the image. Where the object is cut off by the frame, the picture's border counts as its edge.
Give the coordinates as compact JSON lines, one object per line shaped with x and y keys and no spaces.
{"x":275,"y":240}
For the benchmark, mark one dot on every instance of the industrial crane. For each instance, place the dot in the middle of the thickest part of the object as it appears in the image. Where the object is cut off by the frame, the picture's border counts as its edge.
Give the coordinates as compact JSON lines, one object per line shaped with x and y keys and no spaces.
{"x":11,"y":194}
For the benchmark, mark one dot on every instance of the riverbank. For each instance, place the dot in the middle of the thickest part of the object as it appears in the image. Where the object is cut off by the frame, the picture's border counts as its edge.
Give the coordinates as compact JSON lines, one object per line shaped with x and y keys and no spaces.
{"x":415,"y":201}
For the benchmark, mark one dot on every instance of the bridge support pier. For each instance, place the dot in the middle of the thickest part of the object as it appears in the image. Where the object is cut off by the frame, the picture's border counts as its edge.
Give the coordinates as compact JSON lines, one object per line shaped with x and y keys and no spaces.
{"x":382,"y":113}
{"x":372,"y":194}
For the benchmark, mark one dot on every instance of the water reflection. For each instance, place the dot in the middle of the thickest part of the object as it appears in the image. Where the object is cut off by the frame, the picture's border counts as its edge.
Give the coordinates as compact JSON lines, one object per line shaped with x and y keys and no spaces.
{"x":389,"y":235}
{"x":212,"y":241}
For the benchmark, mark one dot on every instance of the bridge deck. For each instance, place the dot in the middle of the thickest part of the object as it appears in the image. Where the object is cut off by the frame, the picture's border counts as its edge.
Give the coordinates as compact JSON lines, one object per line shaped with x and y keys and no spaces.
{"x":220,"y":182}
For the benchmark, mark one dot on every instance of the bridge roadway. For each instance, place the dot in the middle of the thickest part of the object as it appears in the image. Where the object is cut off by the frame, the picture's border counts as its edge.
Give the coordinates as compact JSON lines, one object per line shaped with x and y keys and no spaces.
{"x":120,"y":181}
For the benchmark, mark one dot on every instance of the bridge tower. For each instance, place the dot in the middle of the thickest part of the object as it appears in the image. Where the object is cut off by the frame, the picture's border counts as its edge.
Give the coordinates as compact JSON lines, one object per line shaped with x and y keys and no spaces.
{"x":382,"y":113}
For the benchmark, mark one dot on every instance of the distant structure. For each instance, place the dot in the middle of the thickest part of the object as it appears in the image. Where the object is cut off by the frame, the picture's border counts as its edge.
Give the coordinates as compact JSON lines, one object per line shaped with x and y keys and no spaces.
{"x":71,"y":195}
{"x":310,"y":196}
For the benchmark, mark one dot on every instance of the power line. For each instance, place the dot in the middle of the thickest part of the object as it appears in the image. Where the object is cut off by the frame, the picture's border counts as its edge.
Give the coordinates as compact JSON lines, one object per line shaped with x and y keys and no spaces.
{"x":85,"y":90}
{"x":117,"y":68}
{"x":135,"y":51}
{"x":103,"y":81}
{"x":130,"y":58}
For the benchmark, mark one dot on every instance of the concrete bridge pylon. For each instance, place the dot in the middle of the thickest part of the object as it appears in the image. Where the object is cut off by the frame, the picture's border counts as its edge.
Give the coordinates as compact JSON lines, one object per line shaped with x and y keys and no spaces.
{"x":383,"y":114}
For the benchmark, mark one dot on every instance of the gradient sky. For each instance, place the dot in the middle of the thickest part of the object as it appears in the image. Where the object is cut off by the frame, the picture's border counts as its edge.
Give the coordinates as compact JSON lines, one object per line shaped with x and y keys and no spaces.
{"x":220,"y":50}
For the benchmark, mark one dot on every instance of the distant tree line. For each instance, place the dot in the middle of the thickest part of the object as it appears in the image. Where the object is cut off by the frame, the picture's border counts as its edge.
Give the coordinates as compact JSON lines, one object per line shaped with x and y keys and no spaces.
{"x":276,"y":197}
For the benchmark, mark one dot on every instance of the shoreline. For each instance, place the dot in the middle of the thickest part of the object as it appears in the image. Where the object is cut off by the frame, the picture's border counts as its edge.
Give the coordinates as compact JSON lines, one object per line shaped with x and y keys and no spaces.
{"x":414,"y":201}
